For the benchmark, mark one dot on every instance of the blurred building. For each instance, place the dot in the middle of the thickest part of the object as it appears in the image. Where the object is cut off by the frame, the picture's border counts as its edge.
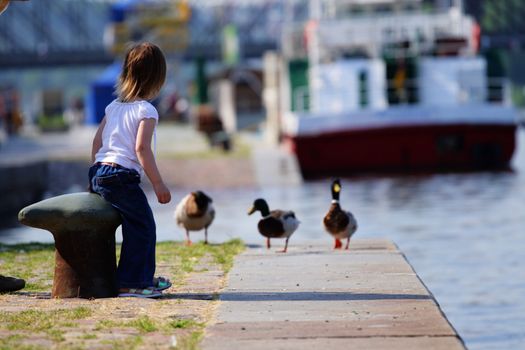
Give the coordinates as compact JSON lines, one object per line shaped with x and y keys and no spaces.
{"x":58,"y":32}
{"x":53,"y":32}
{"x":86,"y":35}
{"x":65,"y":32}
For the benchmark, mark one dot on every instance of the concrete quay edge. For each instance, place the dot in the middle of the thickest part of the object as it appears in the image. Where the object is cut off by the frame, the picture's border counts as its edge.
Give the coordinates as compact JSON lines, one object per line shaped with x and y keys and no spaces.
{"x":311,"y":297}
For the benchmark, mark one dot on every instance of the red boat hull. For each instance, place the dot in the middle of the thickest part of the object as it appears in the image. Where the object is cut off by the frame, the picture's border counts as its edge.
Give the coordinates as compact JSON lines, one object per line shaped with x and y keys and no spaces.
{"x":405,"y":149}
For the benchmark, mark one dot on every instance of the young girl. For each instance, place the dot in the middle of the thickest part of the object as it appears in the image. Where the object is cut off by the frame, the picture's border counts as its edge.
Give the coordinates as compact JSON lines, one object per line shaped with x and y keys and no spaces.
{"x":121,"y":152}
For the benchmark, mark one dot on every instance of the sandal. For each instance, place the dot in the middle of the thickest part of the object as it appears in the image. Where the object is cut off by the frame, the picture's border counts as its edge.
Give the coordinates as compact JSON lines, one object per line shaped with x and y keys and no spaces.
{"x":161,"y":283}
{"x":139,"y":292}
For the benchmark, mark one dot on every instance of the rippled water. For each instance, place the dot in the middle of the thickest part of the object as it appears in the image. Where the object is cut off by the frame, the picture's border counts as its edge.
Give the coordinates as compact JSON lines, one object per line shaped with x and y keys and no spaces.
{"x":463,"y":233}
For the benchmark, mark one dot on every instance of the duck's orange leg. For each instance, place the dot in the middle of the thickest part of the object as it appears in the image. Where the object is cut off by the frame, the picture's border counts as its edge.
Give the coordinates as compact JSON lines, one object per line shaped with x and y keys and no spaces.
{"x":268,"y":243}
{"x":338,"y":244}
{"x":285,"y":246}
{"x":188,"y":240}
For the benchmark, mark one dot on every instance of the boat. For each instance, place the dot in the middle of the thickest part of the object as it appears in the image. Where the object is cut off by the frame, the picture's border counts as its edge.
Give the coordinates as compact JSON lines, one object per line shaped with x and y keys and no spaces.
{"x":387,"y":86}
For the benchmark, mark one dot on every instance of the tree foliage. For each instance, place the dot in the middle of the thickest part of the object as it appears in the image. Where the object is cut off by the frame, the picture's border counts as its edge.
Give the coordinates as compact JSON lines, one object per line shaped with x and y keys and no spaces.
{"x":503,"y":16}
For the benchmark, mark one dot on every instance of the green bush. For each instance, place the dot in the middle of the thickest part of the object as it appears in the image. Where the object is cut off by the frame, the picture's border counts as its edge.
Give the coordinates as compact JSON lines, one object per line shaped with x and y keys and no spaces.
{"x":52,"y":123}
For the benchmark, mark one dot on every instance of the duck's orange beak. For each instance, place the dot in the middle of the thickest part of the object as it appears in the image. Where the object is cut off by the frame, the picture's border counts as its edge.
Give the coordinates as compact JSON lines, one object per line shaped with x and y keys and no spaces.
{"x":251,"y":211}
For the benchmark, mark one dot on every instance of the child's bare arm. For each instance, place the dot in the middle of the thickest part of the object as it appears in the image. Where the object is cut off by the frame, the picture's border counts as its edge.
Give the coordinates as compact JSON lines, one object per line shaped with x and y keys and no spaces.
{"x":97,"y":140}
{"x":147,"y":160}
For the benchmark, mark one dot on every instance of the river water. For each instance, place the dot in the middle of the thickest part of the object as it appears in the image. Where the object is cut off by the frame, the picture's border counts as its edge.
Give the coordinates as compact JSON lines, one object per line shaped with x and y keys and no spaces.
{"x":463,"y":233}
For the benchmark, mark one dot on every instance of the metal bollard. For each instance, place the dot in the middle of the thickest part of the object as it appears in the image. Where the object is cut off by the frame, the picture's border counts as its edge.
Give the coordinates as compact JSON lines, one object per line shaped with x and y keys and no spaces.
{"x":83,"y":226}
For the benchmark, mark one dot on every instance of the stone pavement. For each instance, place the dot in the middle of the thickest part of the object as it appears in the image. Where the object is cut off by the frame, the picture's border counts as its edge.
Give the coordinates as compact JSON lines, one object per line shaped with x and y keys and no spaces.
{"x":183,"y":154}
{"x":313,"y":297}
{"x":76,"y":144}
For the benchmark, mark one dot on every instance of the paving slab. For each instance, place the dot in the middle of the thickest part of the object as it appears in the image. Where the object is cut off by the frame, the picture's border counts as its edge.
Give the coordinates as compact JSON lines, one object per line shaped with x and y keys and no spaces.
{"x":367,"y":297}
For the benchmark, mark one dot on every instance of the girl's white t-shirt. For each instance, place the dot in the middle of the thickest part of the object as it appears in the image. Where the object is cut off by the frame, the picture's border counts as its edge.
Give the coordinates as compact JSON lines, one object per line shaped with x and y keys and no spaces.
{"x":120,"y":132}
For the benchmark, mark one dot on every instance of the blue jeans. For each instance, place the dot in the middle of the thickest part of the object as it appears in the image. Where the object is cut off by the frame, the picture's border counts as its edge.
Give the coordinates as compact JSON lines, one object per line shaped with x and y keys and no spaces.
{"x":120,"y":187}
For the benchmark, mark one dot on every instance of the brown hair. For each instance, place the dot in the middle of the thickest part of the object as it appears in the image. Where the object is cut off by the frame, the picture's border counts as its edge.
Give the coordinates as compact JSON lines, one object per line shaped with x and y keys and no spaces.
{"x":143,"y":73}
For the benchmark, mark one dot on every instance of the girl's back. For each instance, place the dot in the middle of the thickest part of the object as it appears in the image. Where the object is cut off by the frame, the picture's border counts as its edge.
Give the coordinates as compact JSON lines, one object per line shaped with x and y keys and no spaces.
{"x":119,"y":136}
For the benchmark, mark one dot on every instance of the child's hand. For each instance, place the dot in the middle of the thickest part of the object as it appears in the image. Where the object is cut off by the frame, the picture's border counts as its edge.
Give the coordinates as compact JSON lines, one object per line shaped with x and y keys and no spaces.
{"x":162,"y":192}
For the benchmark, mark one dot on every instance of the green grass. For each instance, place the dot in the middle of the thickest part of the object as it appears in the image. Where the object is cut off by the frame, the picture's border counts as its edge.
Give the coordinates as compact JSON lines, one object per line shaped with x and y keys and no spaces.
{"x":143,"y":324}
{"x":39,"y":320}
{"x":188,"y":256}
{"x":184,"y":323}
{"x":14,"y":342}
{"x":89,"y":336}
{"x":107,"y":324}
{"x":192,"y":341}
{"x":35,"y":263}
{"x":129,"y":343}
{"x":226,"y":252}
{"x":48,"y":322}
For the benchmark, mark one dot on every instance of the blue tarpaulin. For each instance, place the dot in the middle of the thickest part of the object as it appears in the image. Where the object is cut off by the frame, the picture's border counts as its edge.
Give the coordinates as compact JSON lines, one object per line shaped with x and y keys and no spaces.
{"x":119,"y":9}
{"x":101,"y":93}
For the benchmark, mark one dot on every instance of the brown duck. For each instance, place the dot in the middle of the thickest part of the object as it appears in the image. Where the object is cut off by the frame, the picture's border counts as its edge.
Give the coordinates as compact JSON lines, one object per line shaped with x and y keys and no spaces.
{"x":194,"y":213}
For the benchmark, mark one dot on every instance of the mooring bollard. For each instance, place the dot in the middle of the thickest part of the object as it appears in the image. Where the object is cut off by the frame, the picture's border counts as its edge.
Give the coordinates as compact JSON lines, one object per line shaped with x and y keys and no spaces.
{"x":83,"y":226}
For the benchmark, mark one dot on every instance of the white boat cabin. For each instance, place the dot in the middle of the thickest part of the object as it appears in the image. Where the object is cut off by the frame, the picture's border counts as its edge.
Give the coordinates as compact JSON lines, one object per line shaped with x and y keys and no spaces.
{"x":356,"y":84}
{"x":351,"y":55}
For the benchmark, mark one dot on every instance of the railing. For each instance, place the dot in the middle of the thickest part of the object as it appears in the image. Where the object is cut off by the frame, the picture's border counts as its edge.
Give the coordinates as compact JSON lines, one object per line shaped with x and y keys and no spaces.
{"x":53,"y":32}
{"x":496,"y":91}
{"x":373,"y":32}
{"x":65,"y":31}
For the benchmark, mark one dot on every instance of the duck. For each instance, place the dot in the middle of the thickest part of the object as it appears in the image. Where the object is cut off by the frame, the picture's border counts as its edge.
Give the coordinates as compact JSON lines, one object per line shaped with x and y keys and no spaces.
{"x":195,"y":212}
{"x":276,"y":223}
{"x":337,"y":222}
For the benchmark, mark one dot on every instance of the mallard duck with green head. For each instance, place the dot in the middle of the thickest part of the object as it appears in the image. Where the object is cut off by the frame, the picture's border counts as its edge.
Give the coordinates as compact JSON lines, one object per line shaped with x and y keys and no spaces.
{"x":337,"y":222}
{"x":276,"y":223}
